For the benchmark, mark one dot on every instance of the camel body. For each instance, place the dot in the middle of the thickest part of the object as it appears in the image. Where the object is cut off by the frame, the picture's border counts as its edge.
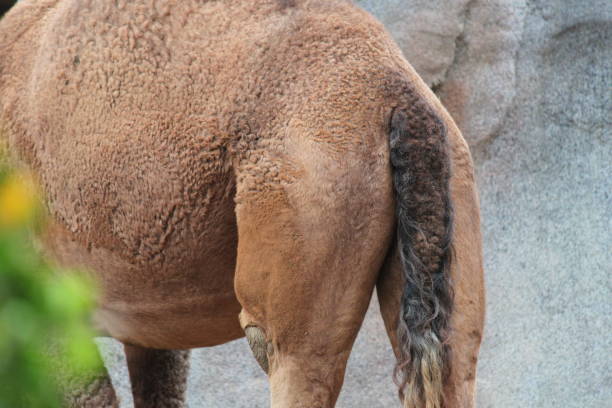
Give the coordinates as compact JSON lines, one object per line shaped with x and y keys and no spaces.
{"x":223,"y":166}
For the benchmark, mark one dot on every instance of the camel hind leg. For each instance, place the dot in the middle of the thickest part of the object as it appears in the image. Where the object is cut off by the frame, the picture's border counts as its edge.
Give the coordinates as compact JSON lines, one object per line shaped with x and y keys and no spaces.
{"x":82,"y":389}
{"x":158,"y":377}
{"x":309,"y":252}
{"x":97,"y":392}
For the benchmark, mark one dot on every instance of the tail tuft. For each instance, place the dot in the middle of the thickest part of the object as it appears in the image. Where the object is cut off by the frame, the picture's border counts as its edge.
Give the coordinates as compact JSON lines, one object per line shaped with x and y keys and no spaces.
{"x":421,"y":174}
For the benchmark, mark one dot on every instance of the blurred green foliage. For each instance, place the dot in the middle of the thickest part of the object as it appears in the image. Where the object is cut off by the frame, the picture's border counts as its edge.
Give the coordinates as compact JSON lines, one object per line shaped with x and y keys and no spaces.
{"x":44,"y":313}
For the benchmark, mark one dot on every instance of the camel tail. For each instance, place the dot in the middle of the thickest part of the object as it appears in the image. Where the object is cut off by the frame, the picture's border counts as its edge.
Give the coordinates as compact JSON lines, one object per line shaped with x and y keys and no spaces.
{"x":421,"y":173}
{"x":5,"y":5}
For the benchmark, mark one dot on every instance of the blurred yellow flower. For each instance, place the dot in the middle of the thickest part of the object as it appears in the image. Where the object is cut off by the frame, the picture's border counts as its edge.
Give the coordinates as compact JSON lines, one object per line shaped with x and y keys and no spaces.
{"x":17,"y":200}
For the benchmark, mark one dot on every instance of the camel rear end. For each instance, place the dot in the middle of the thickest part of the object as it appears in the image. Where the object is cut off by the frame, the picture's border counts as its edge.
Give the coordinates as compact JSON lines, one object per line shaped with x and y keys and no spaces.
{"x":159,"y":140}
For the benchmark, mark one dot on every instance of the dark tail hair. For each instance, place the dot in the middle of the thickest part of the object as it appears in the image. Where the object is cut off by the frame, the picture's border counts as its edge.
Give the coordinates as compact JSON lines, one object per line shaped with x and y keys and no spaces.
{"x":5,"y":5}
{"x":421,"y":173}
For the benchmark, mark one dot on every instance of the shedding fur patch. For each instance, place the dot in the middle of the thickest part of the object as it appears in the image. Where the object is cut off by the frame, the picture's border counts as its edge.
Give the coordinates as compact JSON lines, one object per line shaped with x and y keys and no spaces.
{"x":257,"y":341}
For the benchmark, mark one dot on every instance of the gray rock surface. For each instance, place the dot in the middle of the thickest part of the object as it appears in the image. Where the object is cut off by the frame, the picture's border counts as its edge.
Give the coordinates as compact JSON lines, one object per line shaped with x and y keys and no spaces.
{"x":528,"y":82}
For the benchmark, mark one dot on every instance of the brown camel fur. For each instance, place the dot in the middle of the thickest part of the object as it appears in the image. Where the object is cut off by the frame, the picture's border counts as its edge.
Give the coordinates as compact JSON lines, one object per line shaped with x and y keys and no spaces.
{"x":222,"y":166}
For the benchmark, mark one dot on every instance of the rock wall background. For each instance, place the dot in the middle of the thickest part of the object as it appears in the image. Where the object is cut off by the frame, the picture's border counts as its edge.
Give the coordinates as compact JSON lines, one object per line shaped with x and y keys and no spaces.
{"x":529,"y":84}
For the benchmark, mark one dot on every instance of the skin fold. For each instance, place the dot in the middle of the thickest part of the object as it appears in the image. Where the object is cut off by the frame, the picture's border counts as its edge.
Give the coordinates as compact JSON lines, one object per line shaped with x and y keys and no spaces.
{"x":224,"y":165}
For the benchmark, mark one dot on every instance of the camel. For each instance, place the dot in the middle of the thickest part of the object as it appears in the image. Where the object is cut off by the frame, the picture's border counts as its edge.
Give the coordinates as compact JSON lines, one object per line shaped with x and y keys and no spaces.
{"x":248,"y":168}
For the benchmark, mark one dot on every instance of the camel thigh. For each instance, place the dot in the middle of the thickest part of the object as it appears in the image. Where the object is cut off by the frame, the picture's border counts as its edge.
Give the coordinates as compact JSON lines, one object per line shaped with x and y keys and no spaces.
{"x":158,"y":377}
{"x":299,"y":335}
{"x":303,"y":297}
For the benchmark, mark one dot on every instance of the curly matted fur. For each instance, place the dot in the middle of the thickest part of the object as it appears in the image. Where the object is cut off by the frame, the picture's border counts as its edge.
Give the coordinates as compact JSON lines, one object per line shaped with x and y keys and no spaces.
{"x":421,"y":176}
